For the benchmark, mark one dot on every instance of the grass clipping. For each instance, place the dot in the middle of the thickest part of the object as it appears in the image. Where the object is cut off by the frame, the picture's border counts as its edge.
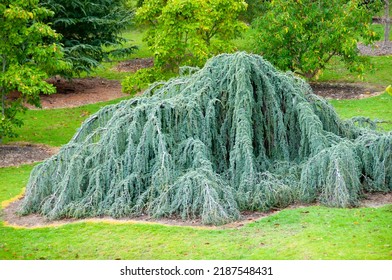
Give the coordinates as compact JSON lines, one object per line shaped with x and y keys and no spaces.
{"x":235,"y":135}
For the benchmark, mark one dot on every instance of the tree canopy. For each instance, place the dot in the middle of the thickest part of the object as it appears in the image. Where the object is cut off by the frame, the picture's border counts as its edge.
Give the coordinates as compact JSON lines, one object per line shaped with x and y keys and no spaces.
{"x":91,"y":30}
{"x":188,"y":32}
{"x":28,"y":54}
{"x":302,"y":36}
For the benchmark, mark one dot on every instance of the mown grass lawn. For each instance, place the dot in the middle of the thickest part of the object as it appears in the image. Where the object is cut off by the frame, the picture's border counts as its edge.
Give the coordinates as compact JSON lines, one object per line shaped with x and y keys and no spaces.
{"x":54,"y":127}
{"x":306,"y":233}
{"x":378,"y":75}
{"x":376,"y":108}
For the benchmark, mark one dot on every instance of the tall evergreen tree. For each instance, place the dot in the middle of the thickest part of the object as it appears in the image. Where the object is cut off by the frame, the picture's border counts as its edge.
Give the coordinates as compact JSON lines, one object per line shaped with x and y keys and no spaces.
{"x":88,"y":28}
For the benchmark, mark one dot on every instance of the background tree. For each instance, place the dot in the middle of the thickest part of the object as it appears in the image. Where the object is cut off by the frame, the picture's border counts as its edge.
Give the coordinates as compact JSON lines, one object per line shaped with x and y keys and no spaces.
{"x":302,"y":36}
{"x":254,"y":10}
{"x":387,"y":20}
{"x":88,"y":28}
{"x":26,"y":58}
{"x":190,"y":31}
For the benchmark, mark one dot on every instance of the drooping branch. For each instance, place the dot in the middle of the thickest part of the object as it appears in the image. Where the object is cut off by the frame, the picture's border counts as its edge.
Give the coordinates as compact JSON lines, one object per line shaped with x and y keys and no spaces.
{"x":235,"y":135}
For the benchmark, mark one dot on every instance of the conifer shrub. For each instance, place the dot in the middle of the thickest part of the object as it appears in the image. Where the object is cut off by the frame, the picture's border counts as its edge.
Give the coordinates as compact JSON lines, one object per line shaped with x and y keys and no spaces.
{"x":235,"y":135}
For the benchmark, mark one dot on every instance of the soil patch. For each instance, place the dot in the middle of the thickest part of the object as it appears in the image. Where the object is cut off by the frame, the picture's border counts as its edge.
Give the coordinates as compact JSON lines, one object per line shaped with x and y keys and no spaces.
{"x":10,"y":216}
{"x":78,"y":92}
{"x":378,"y":49}
{"x":24,"y":153}
{"x":377,"y":200}
{"x":345,"y":90}
{"x":134,"y":65}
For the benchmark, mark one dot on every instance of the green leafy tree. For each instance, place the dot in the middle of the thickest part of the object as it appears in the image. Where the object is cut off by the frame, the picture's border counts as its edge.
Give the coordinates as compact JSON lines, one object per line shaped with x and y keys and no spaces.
{"x":303,"y":35}
{"x":254,"y":10}
{"x":26,"y":59}
{"x":190,"y":31}
{"x":91,"y":30}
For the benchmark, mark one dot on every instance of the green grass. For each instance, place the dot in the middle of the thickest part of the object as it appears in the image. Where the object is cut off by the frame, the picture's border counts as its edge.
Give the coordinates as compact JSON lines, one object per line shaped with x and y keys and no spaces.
{"x":379,"y":29}
{"x":378,"y":107}
{"x":305,"y":233}
{"x":379,"y":75}
{"x":135,"y":38}
{"x":13,"y":180}
{"x":54,"y":127}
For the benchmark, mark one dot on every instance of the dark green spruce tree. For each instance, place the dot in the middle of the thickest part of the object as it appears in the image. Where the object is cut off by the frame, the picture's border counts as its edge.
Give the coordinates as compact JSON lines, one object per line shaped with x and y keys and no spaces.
{"x":91,"y":30}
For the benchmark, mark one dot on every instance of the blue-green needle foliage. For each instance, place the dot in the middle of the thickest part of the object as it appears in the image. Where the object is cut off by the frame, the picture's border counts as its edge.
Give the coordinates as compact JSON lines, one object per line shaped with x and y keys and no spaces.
{"x":235,"y":135}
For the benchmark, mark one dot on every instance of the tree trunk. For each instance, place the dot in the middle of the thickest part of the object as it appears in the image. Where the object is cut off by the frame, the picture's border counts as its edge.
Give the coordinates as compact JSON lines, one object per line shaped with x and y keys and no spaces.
{"x":2,"y":94}
{"x":387,"y":23}
{"x":2,"y":90}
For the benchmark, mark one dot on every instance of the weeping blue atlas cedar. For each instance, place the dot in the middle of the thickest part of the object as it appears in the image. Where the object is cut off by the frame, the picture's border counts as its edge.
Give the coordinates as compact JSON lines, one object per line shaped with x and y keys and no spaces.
{"x":235,"y":135}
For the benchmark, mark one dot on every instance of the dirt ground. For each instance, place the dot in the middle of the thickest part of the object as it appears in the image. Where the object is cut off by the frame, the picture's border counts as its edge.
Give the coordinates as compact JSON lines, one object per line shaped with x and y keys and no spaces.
{"x":11,"y":217}
{"x":377,"y":49}
{"x":345,"y":91}
{"x":24,"y":153}
{"x":78,"y":92}
{"x":134,"y":65}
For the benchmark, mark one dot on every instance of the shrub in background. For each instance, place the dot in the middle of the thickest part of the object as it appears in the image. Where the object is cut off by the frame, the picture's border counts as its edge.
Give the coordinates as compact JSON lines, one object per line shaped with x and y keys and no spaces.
{"x":303,"y":36}
{"x":28,"y":54}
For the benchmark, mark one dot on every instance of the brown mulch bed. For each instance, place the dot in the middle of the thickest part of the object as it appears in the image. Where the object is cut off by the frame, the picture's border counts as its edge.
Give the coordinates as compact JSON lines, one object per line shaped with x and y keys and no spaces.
{"x":134,"y":65}
{"x":377,"y":49}
{"x":24,"y":153}
{"x":345,"y":90}
{"x":78,"y":92}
